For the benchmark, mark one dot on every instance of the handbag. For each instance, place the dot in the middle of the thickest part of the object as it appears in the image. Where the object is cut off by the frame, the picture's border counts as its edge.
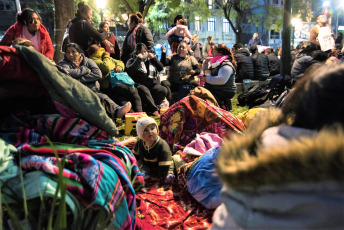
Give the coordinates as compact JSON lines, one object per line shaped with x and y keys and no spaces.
{"x":120,"y":78}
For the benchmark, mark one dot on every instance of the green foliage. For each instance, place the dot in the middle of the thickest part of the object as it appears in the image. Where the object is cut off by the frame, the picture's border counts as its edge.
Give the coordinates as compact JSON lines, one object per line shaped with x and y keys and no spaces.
{"x":162,"y":14}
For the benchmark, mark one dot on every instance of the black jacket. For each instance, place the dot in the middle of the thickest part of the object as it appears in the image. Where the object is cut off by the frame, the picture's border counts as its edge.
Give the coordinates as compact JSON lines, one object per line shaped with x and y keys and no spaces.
{"x":245,"y":69}
{"x":261,"y":66}
{"x":84,"y":34}
{"x":143,"y":35}
{"x":133,"y":68}
{"x":274,"y":64}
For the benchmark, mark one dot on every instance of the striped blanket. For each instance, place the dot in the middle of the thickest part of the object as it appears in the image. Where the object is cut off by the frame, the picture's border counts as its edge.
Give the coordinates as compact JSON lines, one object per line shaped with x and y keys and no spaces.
{"x":98,"y":177}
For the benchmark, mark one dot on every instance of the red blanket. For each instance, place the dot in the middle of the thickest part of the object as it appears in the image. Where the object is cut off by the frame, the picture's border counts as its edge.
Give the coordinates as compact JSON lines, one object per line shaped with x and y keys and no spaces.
{"x":159,"y":207}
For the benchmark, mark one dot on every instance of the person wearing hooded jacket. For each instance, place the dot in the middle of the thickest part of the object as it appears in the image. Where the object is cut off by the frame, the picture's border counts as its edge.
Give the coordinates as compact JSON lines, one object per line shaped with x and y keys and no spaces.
{"x":286,"y":171}
{"x":144,"y":69}
{"x":120,"y":93}
{"x":29,"y":26}
{"x":86,"y":71}
{"x":245,"y":69}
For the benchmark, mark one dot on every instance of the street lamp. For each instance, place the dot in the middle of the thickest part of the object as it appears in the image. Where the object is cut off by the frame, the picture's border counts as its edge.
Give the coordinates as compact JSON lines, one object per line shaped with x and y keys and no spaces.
{"x":101,"y":5}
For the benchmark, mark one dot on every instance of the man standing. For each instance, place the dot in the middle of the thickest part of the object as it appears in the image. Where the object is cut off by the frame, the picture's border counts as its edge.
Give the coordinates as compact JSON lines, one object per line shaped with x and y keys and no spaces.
{"x":322,"y":34}
{"x":255,"y":41}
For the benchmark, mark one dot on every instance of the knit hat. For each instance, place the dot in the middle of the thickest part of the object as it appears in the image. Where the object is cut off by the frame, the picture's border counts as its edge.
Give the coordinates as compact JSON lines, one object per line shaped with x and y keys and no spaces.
{"x":142,"y":123}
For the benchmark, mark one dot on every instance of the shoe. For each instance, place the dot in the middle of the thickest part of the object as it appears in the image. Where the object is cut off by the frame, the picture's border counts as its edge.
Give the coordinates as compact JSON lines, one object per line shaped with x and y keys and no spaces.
{"x":123,"y":110}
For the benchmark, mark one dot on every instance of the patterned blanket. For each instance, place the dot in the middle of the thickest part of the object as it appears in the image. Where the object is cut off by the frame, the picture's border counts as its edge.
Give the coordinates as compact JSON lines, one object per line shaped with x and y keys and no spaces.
{"x":97,"y":176}
{"x":191,"y":115}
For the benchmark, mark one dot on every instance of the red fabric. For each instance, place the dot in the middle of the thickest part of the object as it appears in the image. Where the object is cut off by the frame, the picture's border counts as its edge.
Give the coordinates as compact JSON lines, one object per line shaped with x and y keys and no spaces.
{"x":170,"y":208}
{"x":115,"y":51}
{"x":14,"y":32}
{"x":174,"y":47}
{"x":17,"y":77}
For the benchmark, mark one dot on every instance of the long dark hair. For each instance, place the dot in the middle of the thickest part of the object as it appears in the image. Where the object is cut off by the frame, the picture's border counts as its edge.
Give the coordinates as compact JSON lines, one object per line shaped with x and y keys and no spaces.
{"x":26,"y":16}
{"x":224,"y":50}
{"x":315,"y":100}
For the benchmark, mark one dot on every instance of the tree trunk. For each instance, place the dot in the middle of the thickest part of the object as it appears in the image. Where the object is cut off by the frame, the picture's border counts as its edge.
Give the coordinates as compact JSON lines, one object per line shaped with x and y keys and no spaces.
{"x":64,"y":12}
{"x":238,"y":31}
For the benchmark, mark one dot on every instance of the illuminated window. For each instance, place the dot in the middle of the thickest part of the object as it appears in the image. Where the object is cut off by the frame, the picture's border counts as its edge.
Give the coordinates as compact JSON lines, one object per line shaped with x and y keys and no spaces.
{"x":211,"y":24}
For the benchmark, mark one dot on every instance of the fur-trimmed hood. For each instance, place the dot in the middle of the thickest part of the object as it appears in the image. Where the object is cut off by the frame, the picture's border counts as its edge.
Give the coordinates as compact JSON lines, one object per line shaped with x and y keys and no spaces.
{"x":281,"y":177}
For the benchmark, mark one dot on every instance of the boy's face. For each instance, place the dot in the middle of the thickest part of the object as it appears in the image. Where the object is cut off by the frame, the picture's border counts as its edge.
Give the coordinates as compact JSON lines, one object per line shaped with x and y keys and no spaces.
{"x":150,"y":133}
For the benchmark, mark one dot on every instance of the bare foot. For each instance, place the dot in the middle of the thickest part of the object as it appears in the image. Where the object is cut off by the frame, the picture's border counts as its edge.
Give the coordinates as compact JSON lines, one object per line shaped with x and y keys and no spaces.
{"x":123,"y":110}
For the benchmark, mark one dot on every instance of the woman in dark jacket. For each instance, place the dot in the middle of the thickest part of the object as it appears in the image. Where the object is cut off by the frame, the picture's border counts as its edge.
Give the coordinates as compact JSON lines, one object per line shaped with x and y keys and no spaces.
{"x":144,"y":69}
{"x":87,"y":72}
{"x":137,"y":33}
{"x":219,"y":76}
{"x":80,"y":29}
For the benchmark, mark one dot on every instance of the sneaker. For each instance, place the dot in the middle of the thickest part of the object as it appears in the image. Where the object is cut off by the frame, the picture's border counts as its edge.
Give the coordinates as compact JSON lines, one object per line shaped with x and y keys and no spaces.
{"x":123,"y":110}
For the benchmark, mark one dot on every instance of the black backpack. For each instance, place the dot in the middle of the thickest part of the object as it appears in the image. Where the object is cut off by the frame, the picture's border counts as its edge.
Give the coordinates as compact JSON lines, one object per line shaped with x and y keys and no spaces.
{"x":256,"y":95}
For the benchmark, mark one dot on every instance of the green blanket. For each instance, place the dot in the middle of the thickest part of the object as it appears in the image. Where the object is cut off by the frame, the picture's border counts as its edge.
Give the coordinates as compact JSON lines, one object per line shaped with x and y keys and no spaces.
{"x":68,"y":91}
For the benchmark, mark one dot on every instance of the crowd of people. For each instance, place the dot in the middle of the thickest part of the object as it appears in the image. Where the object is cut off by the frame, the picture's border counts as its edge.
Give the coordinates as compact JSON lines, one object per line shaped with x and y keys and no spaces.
{"x":127,"y":79}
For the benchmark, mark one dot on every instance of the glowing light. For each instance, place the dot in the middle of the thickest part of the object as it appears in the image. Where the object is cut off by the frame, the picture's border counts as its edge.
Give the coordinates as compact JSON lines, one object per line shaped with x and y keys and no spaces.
{"x":101,"y":4}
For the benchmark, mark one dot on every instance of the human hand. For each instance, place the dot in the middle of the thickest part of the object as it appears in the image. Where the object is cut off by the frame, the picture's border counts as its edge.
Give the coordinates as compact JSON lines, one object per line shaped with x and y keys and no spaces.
{"x":140,"y":55}
{"x":151,"y":55}
{"x":163,"y":49}
{"x":106,"y":54}
{"x":118,"y":69}
{"x":206,"y":60}
{"x":190,"y":71}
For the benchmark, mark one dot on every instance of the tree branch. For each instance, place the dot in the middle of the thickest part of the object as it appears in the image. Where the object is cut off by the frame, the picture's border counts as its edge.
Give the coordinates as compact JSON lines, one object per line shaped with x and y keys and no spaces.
{"x":145,"y":12}
{"x":126,"y":4}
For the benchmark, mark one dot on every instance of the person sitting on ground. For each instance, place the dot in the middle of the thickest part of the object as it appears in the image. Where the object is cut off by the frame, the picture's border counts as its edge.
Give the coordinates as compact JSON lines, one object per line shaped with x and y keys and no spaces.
{"x":80,"y":29}
{"x":283,"y":173}
{"x":301,"y":62}
{"x":245,"y":69}
{"x":152,"y":152}
{"x":29,"y":26}
{"x":260,"y":63}
{"x":182,"y":71}
{"x":110,"y":44}
{"x":181,"y":31}
{"x":144,"y":69}
{"x":274,"y":62}
{"x":219,"y":76}
{"x":121,"y":93}
{"x":87,"y":72}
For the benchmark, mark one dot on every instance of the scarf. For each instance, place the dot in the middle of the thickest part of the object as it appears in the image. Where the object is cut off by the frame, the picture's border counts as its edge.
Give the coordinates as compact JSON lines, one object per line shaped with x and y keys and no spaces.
{"x":217,"y":60}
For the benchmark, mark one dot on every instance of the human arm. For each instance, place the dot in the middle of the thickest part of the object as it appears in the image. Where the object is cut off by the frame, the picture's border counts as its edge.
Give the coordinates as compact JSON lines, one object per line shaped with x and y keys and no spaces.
{"x":165,"y":160}
{"x":313,"y":34}
{"x":9,"y":36}
{"x":155,"y":62}
{"x":95,"y":34}
{"x":171,"y":31}
{"x":165,"y":61}
{"x":222,"y":77}
{"x":147,"y":39}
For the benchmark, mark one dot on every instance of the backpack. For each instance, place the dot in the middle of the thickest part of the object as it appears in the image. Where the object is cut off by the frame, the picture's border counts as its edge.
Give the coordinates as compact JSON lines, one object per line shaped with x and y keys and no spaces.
{"x":256,"y":95}
{"x":120,"y":78}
